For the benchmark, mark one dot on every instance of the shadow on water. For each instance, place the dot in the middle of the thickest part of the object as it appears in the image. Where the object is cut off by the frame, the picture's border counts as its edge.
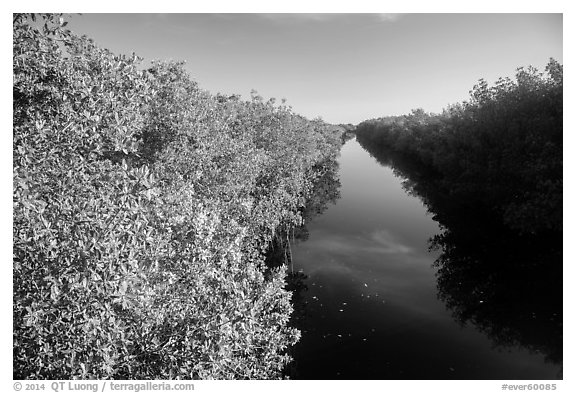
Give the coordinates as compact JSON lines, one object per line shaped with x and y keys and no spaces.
{"x":508,"y":286}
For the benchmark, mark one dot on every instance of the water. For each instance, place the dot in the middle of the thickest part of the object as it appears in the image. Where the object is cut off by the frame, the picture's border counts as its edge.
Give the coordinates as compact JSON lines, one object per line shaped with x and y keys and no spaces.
{"x":372,"y":307}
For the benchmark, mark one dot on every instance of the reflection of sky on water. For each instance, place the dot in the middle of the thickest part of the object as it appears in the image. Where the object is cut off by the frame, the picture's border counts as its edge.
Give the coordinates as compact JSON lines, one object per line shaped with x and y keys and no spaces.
{"x":375,"y":235}
{"x":373,"y":263}
{"x":376,"y":242}
{"x":372,"y":305}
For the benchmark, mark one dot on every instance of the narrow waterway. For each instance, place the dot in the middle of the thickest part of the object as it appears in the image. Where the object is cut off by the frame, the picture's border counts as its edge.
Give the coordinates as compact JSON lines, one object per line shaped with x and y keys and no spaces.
{"x":370,"y":308}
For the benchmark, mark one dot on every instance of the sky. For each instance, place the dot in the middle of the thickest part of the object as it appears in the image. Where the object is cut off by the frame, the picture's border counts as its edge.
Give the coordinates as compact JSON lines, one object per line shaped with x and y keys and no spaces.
{"x":344,"y":68}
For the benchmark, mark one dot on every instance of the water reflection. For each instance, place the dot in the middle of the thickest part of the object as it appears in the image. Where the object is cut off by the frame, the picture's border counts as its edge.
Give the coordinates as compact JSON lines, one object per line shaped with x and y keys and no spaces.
{"x":325,"y":192}
{"x":508,"y":287}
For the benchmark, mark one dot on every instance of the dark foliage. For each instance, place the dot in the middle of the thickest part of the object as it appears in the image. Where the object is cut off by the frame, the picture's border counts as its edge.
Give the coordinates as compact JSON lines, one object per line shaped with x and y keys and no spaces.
{"x":501,"y":150}
{"x":505,"y":282}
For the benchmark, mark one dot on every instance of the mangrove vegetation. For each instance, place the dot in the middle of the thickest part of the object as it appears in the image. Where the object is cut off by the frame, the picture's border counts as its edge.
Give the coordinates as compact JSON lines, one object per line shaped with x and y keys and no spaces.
{"x":143,"y":210}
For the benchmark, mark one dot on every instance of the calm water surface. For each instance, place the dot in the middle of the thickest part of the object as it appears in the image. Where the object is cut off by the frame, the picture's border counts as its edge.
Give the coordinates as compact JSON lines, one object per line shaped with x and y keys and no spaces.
{"x":371,"y":307}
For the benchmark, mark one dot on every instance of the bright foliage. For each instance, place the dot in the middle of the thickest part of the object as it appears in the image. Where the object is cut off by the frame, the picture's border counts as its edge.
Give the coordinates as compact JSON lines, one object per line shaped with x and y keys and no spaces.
{"x":143,"y":207}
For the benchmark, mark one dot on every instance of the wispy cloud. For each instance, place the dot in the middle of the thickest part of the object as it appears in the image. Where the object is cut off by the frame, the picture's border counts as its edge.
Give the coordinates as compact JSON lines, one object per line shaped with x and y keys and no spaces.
{"x":389,"y":17}
{"x":301,"y":17}
{"x":326,"y":17}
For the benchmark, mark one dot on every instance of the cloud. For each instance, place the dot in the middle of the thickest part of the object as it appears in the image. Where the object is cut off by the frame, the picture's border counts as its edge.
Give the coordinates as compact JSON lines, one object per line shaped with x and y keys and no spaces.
{"x":388,"y":17}
{"x":323,"y":17}
{"x":301,"y":17}
{"x":297,"y":18}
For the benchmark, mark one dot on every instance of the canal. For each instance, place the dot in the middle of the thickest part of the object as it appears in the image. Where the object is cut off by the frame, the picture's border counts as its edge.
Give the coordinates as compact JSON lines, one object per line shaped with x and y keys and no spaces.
{"x":370,"y":304}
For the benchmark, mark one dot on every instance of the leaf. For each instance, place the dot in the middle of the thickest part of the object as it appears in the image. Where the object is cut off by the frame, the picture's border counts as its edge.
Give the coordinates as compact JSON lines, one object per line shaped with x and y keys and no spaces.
{"x":123,"y":287}
{"x":54,"y":291}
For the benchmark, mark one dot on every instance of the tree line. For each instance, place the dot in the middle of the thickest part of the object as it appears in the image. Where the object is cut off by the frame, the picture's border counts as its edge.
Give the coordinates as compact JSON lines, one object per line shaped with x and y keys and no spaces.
{"x":500,"y":151}
{"x":143,"y":209}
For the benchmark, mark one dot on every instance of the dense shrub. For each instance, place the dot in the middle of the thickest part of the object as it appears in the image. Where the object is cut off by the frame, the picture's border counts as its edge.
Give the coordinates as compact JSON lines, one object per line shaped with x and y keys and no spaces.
{"x":143,"y":207}
{"x":489,"y":172}
{"x":501,"y":150}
